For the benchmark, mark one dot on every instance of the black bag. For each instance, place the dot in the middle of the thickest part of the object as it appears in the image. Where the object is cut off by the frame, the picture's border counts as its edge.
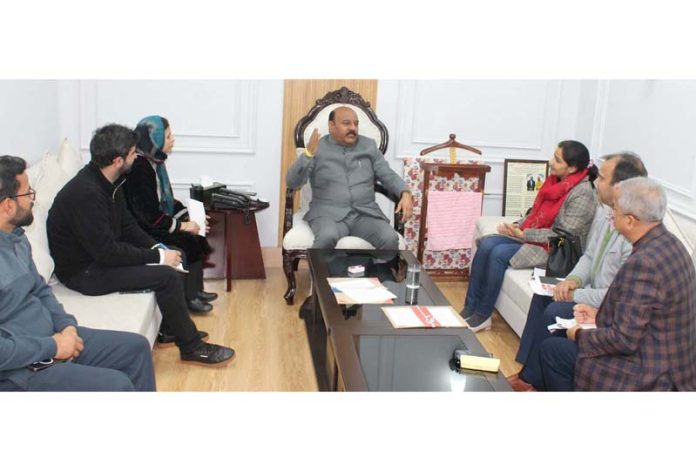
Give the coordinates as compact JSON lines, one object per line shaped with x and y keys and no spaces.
{"x":564,"y":252}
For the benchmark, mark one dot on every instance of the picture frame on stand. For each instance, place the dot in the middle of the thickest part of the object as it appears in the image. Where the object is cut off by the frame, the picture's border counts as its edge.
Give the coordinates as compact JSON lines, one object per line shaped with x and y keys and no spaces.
{"x":521,"y":183}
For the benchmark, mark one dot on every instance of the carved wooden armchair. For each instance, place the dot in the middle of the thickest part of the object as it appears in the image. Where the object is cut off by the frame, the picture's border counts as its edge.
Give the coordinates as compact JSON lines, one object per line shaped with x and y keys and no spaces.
{"x":297,"y":235}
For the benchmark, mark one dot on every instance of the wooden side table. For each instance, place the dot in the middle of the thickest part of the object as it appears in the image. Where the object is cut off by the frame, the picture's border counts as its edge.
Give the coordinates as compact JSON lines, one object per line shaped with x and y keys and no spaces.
{"x":236,"y":247}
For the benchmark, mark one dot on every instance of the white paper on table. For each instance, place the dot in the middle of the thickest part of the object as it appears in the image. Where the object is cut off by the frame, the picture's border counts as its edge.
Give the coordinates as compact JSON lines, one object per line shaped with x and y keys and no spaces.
{"x":538,"y":272}
{"x":196,"y":212}
{"x":369,"y":295}
{"x":354,"y":283}
{"x":207,"y":181}
{"x":360,"y":291}
{"x":407,"y":317}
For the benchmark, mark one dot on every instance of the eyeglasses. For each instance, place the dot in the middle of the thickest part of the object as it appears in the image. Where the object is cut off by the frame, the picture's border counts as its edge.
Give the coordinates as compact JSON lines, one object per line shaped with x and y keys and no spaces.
{"x":31,"y":193}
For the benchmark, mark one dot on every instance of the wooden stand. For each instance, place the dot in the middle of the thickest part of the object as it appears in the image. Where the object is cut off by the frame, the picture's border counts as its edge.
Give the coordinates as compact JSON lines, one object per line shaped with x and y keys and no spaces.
{"x":214,"y":263}
{"x":438,"y":169}
{"x":236,"y":247}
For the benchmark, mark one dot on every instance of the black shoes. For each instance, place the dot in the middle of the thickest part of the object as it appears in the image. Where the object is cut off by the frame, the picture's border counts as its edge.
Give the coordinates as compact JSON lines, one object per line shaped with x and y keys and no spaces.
{"x":201,"y":304}
{"x":209,"y":354}
{"x":206,"y":297}
{"x":196,"y":305}
{"x":164,"y":338}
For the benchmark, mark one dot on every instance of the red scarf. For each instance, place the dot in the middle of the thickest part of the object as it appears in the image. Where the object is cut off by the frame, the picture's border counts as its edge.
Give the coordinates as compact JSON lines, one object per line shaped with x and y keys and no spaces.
{"x":550,"y":199}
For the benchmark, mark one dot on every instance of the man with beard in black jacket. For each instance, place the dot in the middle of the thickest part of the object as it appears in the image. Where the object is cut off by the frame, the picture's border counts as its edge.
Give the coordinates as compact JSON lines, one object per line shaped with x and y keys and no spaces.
{"x":99,"y":248}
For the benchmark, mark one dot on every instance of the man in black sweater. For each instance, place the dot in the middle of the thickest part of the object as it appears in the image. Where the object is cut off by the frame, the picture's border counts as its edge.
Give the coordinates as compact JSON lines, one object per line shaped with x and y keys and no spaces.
{"x":99,"y":248}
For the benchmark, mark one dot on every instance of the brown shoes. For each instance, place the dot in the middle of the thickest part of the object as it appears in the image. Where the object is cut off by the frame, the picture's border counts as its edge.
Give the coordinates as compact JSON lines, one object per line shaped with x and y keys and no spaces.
{"x":519,"y":385}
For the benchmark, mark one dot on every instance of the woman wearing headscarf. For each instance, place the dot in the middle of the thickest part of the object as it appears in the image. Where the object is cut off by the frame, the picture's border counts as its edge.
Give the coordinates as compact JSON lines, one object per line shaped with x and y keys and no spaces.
{"x":566,"y":201}
{"x":150,"y":199}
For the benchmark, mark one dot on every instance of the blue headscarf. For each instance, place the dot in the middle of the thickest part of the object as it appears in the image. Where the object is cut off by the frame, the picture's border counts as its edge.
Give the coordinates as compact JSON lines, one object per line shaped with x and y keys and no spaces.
{"x":150,"y":132}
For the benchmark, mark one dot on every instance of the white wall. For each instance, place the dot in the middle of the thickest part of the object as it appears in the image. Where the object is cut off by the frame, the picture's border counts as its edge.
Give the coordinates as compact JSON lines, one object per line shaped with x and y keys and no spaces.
{"x":656,"y":119}
{"x":505,"y":119}
{"x":525,"y":119}
{"x":28,"y":118}
{"x":230,"y":130}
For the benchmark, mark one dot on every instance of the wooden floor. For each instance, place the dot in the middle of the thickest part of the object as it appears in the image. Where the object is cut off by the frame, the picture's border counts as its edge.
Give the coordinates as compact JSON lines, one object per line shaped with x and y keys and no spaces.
{"x":271,"y":343}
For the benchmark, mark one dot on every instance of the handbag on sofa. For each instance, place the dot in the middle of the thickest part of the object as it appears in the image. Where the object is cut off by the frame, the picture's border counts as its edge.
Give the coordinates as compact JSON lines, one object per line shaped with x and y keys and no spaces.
{"x":564,"y":252}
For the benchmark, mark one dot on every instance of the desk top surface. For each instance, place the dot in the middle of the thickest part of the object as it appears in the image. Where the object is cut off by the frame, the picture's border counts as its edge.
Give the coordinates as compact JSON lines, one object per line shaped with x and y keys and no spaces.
{"x":374,"y":356}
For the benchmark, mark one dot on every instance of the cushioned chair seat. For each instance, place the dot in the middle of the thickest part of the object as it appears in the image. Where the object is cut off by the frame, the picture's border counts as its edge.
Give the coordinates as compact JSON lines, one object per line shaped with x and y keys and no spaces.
{"x":301,"y":237}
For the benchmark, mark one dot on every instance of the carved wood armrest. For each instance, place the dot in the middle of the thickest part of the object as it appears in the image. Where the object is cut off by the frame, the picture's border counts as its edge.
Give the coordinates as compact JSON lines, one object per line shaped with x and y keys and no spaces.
{"x":289,"y":210}
{"x":398,"y":225}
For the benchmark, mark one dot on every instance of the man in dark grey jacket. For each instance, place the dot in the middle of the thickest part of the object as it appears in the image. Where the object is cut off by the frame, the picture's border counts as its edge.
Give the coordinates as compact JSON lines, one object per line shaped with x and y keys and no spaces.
{"x":342,"y":168}
{"x":41,"y":346}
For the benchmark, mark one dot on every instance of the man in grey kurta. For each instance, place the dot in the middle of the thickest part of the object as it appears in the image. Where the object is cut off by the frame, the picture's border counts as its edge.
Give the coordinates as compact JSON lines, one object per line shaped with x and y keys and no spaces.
{"x":342,"y":168}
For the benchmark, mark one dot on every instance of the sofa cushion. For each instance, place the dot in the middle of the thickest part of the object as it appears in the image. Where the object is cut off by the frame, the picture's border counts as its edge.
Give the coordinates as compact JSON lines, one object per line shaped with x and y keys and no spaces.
{"x":671,"y":224}
{"x":516,"y":285}
{"x":46,"y":177}
{"x":69,"y":159}
{"x":36,"y":233}
{"x":131,"y":312}
{"x":49,"y":179}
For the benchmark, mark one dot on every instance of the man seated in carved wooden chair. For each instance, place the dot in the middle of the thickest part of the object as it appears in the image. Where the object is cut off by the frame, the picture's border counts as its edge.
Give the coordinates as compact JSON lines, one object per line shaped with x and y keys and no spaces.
{"x":342,"y":169}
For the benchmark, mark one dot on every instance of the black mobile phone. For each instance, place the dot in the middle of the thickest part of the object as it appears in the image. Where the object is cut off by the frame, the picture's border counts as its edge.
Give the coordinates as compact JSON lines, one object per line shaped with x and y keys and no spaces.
{"x":40,"y":365}
{"x":549,"y":280}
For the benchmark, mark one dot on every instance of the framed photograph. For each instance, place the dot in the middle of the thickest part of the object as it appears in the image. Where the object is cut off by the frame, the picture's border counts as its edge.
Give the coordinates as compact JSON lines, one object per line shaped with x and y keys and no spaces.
{"x":521,"y":183}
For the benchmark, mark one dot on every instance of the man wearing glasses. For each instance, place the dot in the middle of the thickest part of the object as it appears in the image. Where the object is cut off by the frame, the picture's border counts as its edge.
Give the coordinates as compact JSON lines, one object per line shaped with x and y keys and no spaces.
{"x":41,"y":346}
{"x":645,"y":338}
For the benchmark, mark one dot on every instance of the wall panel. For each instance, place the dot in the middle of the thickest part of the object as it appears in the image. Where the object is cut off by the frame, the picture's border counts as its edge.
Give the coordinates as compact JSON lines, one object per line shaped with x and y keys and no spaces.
{"x":517,"y":119}
{"x":226,"y":129}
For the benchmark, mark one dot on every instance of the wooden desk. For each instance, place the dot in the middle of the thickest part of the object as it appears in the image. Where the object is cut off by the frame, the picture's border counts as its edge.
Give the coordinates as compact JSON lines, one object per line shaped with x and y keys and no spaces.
{"x":236,"y":248}
{"x":357,"y":349}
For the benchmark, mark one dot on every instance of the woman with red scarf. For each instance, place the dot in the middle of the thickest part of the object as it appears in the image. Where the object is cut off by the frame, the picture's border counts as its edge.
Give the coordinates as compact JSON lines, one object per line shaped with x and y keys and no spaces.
{"x":566,"y":201}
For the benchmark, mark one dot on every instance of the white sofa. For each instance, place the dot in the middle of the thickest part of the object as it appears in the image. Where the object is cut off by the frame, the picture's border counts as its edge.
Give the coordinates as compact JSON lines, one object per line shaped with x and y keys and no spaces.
{"x":516,"y":295}
{"x":137,"y":312}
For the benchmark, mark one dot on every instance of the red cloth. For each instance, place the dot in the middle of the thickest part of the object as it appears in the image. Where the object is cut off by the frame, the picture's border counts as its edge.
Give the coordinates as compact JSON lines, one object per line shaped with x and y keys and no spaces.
{"x":550,"y":199}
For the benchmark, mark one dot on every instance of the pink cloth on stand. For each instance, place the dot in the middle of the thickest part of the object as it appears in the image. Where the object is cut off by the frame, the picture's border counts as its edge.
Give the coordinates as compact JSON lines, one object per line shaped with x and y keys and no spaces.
{"x":452,"y":219}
